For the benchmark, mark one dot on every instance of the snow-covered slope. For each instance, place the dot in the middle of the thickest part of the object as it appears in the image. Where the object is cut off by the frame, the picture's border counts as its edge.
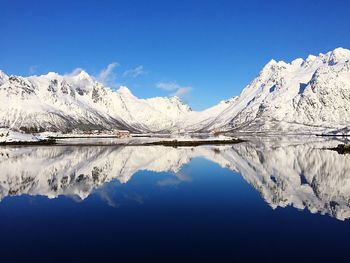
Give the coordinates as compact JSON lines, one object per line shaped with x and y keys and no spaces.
{"x":61,"y":103}
{"x":207,"y":120}
{"x":9,"y":136}
{"x":304,"y":95}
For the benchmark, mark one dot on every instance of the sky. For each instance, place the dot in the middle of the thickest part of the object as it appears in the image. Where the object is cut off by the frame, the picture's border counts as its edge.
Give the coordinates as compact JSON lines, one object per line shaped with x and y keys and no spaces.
{"x":203,"y":51}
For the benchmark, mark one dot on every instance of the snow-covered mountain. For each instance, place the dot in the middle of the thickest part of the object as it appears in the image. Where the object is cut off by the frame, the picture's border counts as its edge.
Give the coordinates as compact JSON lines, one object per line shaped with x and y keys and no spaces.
{"x":62,"y":103}
{"x":304,"y":95}
{"x":311,"y":95}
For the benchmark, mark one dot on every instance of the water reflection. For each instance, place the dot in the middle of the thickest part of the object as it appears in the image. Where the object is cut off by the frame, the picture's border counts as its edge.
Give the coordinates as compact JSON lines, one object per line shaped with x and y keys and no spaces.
{"x":285,"y":172}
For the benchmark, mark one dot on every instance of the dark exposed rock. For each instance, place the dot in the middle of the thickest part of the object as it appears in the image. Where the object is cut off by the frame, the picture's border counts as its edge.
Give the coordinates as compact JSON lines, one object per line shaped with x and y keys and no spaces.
{"x":342,"y":149}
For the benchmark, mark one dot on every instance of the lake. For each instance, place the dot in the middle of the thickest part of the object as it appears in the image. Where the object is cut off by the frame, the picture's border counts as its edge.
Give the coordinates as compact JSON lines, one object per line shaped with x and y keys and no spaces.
{"x":264,"y":200}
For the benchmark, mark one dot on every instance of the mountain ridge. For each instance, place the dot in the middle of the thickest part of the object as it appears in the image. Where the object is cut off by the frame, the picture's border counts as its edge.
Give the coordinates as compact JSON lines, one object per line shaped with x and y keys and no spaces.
{"x":311,"y":95}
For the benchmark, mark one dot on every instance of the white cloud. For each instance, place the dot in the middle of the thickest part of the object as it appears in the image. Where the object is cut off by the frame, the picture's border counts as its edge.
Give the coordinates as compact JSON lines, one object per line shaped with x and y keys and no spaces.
{"x":105,"y":196}
{"x":107,"y":76}
{"x":168,"y":182}
{"x":133,"y":73}
{"x":181,"y":92}
{"x":168,"y":86}
{"x":33,"y":69}
{"x":177,"y":90}
{"x":74,"y":72}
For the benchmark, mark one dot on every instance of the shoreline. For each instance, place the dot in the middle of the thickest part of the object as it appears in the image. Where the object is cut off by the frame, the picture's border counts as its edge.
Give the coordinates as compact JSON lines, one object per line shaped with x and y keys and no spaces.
{"x":19,"y":143}
{"x":176,"y":143}
{"x":167,"y":143}
{"x":333,"y":135}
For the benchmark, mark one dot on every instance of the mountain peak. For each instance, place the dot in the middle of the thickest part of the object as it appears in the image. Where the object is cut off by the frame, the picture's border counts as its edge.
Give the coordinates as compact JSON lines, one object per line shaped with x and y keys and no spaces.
{"x":268,"y":68}
{"x":83,"y":75}
{"x":51,"y":74}
{"x":270,"y":63}
{"x":340,"y":50}
{"x":123,"y":90}
{"x":297,"y":62}
{"x":176,"y":98}
{"x":337,"y":55}
{"x":310,"y":58}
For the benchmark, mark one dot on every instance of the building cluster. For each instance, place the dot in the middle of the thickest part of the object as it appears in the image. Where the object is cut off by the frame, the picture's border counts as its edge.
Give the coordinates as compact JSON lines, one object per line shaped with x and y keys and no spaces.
{"x":115,"y":132}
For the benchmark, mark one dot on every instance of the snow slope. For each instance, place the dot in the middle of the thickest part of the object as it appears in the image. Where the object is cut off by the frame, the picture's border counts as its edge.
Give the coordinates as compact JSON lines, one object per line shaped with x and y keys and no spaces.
{"x":9,"y":136}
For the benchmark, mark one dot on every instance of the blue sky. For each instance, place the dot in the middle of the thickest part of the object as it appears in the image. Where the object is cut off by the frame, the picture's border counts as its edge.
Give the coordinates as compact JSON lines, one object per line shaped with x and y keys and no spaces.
{"x":204,"y":51}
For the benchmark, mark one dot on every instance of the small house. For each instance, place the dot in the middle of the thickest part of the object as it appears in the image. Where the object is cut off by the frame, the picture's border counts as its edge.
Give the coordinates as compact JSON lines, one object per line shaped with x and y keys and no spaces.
{"x":121,"y":133}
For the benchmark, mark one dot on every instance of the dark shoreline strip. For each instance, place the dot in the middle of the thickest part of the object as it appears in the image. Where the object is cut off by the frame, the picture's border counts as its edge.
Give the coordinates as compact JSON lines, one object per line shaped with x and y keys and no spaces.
{"x":176,"y":143}
{"x":43,"y":142}
{"x":173,"y":143}
{"x":333,"y":135}
{"x":341,"y":149}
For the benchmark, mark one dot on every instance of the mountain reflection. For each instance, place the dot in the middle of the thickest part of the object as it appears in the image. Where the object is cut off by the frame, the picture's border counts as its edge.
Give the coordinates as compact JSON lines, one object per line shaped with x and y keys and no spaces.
{"x":303,"y":175}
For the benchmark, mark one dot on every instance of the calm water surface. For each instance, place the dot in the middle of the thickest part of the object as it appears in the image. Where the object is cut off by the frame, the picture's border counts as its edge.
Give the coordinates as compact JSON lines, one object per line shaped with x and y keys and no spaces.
{"x":260,"y":201}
